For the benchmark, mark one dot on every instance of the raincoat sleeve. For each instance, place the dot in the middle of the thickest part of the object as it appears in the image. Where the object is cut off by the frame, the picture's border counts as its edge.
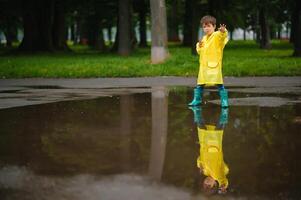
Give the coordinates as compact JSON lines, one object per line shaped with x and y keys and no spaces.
{"x":198,"y":162}
{"x":222,"y":37}
{"x":198,"y":49}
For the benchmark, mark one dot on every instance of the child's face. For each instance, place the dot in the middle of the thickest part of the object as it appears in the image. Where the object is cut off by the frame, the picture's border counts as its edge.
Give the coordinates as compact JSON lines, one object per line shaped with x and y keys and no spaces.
{"x":209,"y":186}
{"x":208,"y":28}
{"x":209,"y":182}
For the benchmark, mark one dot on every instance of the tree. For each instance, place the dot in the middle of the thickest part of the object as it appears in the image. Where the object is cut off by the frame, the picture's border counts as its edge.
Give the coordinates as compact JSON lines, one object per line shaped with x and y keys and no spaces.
{"x":297,"y":40}
{"x":194,"y":26}
{"x":95,"y":34}
{"x":159,"y":51}
{"x":9,"y":21}
{"x":91,"y":18}
{"x":124,"y":27}
{"x":187,"y":24}
{"x":173,"y":20}
{"x":265,"y":40}
{"x":44,"y":26}
{"x":231,"y":14}
{"x":268,"y":16}
{"x":37,"y":24}
{"x":59,"y":30}
{"x":142,"y":8}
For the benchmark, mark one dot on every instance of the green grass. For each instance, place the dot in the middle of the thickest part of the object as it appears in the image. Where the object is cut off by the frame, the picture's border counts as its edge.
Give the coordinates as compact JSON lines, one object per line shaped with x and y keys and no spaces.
{"x":241,"y":58}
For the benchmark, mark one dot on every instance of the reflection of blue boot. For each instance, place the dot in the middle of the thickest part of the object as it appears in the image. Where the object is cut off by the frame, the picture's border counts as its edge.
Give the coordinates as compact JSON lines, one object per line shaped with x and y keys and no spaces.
{"x":197,"y":96}
{"x":197,"y":117}
{"x":223,"y":93}
{"x":223,"y":118}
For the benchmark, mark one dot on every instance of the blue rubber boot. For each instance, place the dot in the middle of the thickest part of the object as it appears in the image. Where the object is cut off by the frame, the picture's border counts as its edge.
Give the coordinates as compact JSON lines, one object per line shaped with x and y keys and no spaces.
{"x":223,"y":93}
{"x":223,"y":118}
{"x":197,"y":117}
{"x":197,"y":96}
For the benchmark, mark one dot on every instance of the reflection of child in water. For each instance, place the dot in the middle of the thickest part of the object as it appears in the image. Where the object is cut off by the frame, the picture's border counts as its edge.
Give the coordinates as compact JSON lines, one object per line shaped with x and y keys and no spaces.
{"x":211,"y":162}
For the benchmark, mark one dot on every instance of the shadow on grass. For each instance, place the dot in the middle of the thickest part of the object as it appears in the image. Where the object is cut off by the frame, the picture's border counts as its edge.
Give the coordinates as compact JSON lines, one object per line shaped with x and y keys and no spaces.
{"x":76,"y":50}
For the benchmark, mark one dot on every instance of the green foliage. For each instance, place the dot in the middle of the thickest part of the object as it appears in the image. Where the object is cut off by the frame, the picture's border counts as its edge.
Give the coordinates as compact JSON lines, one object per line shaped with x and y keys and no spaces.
{"x":241,"y":58}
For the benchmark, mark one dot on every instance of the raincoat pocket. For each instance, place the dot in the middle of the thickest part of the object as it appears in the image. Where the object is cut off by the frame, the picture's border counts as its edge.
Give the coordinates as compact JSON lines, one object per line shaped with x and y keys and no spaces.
{"x":212,"y":64}
{"x":212,"y":70}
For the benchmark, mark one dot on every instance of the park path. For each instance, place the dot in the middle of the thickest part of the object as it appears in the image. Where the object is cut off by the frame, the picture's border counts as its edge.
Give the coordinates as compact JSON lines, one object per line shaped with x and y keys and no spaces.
{"x":32,"y":91}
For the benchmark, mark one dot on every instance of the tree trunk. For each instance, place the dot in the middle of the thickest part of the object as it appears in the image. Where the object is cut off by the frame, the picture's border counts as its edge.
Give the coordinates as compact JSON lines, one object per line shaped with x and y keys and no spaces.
{"x":187,"y":40}
{"x":297,"y":40}
{"x":159,"y":132}
{"x":195,"y":27}
{"x":110,"y":38}
{"x":124,"y":27}
{"x":126,"y":105}
{"x":115,"y":45}
{"x":59,"y":31}
{"x":45,"y":23}
{"x":142,"y":24}
{"x":273,"y":32}
{"x":76,"y":27}
{"x":231,"y":34}
{"x":94,"y":33}
{"x":72,"y":28}
{"x":257,"y":28}
{"x":133,"y":37}
{"x":100,"y":42}
{"x":279,"y":32}
{"x":258,"y":36}
{"x":9,"y":41}
{"x":265,"y":42}
{"x":10,"y":33}
{"x":96,"y":40}
{"x":38,"y":21}
{"x":173,"y":23}
{"x":245,"y":34}
{"x":159,"y":52}
{"x":294,"y":22}
{"x":30,"y":27}
{"x":83,"y":30}
{"x":287,"y":31}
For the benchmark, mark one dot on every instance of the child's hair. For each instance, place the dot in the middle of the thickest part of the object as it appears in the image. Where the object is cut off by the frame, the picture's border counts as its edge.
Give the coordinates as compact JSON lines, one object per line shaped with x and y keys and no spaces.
{"x":208,"y":19}
{"x":208,"y":191}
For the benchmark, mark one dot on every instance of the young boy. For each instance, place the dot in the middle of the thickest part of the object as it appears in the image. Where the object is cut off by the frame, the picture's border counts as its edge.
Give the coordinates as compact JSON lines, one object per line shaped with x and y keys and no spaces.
{"x":210,"y":49}
{"x":211,"y":160}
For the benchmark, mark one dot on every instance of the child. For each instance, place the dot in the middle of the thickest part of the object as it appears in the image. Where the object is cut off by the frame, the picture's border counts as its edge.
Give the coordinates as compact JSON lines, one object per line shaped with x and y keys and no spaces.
{"x":210,"y":49}
{"x":211,"y":160}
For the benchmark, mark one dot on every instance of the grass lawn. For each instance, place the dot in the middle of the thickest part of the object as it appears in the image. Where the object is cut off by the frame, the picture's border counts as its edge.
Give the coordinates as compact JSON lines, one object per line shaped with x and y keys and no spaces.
{"x":241,"y":58}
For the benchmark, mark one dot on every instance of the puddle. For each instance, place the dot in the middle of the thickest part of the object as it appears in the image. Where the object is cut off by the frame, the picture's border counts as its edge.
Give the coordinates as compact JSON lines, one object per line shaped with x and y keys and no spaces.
{"x":9,"y":91}
{"x":147,"y":146}
{"x":44,"y":87}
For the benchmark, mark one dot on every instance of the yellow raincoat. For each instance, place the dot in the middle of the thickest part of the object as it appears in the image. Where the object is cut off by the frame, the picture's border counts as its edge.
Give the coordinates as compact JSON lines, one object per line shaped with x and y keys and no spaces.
{"x":211,"y":55}
{"x":211,"y":154}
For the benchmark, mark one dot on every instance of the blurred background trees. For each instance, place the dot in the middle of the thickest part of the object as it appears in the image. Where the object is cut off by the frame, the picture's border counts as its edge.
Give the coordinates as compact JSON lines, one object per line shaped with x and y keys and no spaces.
{"x":123,"y":25}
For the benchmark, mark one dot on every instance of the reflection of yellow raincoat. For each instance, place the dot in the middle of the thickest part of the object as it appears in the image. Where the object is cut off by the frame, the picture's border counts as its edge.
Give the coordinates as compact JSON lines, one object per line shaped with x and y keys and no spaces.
{"x":211,"y":154}
{"x":211,"y":55}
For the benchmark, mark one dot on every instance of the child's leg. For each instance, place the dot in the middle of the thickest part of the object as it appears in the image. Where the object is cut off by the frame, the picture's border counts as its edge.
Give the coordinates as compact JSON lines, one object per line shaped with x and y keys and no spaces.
{"x":223,"y":119}
{"x":197,"y":116}
{"x":201,"y":87}
{"x":220,"y":87}
{"x":223,"y":93}
{"x":197,"y":97}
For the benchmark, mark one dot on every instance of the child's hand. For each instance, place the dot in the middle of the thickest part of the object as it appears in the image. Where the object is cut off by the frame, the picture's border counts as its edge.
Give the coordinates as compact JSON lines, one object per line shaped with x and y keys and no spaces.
{"x":222,"y":189}
{"x":222,"y":28}
{"x":201,"y":44}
